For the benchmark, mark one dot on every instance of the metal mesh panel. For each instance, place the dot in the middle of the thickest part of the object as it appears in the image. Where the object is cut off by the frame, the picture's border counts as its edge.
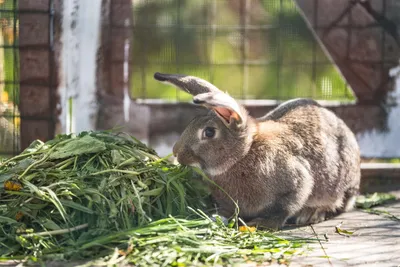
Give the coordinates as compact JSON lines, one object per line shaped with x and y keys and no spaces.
{"x":11,"y":86}
{"x":253,"y":49}
{"x":9,"y":78}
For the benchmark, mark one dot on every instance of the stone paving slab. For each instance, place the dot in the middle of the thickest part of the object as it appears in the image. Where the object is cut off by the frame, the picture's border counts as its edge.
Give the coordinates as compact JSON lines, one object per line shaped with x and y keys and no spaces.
{"x":375,"y":241}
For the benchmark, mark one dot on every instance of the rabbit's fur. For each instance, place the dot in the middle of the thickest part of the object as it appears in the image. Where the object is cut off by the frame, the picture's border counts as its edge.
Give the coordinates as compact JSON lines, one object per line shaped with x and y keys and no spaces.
{"x":299,"y":161}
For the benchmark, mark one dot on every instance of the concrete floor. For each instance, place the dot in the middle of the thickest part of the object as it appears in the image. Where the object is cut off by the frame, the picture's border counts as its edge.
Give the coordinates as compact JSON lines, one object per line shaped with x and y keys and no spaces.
{"x":375,"y":241}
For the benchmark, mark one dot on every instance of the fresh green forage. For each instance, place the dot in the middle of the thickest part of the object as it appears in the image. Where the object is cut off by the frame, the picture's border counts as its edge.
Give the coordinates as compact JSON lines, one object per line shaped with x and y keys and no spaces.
{"x":101,"y":193}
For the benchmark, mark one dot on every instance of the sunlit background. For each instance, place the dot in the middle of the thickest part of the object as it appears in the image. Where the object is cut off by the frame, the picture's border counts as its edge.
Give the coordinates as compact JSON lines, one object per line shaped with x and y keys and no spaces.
{"x":252,"y":49}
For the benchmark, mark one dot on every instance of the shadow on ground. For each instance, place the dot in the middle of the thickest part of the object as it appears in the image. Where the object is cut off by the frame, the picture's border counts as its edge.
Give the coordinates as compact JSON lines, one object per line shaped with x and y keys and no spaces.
{"x":375,"y":241}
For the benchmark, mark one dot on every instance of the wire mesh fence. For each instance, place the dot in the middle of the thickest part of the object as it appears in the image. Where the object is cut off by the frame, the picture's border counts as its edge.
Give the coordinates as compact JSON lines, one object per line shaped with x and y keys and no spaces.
{"x":9,"y":79}
{"x":22,"y":90}
{"x":252,"y":49}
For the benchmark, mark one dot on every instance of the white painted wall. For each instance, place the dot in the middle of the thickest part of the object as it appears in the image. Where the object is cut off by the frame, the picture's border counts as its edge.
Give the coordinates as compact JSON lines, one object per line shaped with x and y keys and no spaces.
{"x":80,"y":42}
{"x":376,"y":144}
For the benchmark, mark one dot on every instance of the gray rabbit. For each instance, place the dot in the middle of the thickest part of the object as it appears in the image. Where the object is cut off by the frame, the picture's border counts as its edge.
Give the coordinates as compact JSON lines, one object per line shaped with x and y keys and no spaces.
{"x":299,"y":162}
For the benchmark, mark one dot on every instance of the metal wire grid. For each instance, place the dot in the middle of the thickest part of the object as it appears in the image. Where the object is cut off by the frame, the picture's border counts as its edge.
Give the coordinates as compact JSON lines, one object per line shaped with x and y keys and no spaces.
{"x":10,"y":117}
{"x":208,"y":30}
{"x":211,"y":26}
{"x":243,"y":28}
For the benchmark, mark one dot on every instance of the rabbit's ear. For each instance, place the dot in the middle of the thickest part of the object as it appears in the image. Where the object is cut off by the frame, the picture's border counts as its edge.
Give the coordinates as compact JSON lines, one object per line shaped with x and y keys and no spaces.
{"x":207,"y":95}
{"x":223,"y":105}
{"x":190,"y":84}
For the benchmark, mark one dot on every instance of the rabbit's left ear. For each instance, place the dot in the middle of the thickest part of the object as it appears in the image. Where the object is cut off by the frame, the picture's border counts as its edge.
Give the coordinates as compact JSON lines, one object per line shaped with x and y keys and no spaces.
{"x":223,"y":105}
{"x":206,"y":94}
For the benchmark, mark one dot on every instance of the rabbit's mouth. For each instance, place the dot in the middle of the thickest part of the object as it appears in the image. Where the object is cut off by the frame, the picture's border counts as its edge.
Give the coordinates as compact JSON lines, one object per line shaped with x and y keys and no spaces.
{"x":185,"y":161}
{"x":195,"y":164}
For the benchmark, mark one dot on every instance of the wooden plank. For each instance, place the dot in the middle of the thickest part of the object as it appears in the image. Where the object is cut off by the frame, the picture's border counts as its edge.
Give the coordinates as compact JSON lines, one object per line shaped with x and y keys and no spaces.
{"x":380,"y":177}
{"x":380,"y":170}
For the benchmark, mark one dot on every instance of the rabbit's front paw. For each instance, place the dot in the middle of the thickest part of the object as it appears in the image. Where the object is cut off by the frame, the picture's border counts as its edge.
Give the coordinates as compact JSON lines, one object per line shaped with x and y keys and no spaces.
{"x":267,"y":223}
{"x":309,"y":216}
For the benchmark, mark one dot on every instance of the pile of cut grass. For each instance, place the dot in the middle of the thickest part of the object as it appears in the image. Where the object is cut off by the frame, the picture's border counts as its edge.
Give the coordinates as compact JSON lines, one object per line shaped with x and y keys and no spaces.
{"x":108,"y":196}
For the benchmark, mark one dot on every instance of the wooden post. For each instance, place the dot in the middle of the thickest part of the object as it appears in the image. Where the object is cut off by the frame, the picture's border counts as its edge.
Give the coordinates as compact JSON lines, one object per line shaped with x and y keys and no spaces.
{"x":116,"y":109}
{"x":80,"y":39}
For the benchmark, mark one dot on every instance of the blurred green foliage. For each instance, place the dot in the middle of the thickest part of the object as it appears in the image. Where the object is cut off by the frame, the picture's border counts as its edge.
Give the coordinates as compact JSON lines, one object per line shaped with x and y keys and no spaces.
{"x":177,"y":36}
{"x":395,"y":160}
{"x":8,"y":47}
{"x":9,"y":78}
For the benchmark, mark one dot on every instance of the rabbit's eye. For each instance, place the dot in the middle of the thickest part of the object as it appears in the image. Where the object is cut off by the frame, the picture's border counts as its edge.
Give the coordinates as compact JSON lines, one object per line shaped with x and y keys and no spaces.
{"x":209,"y":132}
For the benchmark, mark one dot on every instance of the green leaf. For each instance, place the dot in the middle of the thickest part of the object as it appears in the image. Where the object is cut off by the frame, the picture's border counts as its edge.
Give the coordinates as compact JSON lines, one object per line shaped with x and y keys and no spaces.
{"x":50,"y":225}
{"x":33,"y":147}
{"x":35,"y":206}
{"x":371,"y":200}
{"x":152,"y":192}
{"x":6,"y":176}
{"x":76,"y":206}
{"x":116,"y":157}
{"x":53,"y":198}
{"x":33,"y":188}
{"x":341,"y":231}
{"x":7,"y":220}
{"x":78,"y":146}
{"x":113,"y":209}
{"x":22,"y":165}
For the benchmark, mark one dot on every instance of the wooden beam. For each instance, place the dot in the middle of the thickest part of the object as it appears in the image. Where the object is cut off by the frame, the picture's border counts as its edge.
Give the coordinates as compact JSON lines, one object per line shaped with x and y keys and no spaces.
{"x":380,"y":170}
{"x":357,"y":43}
{"x":380,"y":177}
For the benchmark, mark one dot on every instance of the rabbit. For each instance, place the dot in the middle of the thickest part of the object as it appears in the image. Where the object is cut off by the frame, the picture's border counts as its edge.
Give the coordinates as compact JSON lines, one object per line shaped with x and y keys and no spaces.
{"x":299,"y":163}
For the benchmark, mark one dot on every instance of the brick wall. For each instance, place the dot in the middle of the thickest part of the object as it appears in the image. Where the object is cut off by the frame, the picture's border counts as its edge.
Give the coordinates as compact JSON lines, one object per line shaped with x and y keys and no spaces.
{"x":38,"y":50}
